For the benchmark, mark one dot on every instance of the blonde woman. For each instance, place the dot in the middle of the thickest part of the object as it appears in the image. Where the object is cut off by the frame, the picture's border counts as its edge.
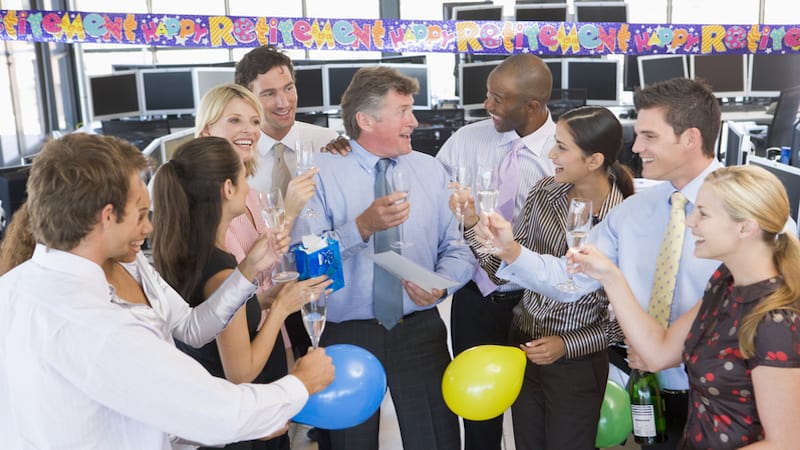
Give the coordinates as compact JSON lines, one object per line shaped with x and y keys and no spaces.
{"x":741,"y":342}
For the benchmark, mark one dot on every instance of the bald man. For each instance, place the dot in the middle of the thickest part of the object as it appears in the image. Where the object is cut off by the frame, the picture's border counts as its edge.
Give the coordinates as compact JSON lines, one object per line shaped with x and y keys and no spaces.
{"x":519,"y":132}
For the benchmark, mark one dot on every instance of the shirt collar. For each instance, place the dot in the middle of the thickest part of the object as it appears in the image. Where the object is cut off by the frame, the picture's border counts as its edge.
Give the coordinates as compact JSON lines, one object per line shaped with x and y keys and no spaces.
{"x":366,"y":159}
{"x":535,"y":141}
{"x":693,"y":187}
{"x":72,"y":264}
{"x":265,"y":142}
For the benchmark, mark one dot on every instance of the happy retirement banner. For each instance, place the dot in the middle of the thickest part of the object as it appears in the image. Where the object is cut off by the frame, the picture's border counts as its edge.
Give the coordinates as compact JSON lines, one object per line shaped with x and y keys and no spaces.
{"x":394,"y":35}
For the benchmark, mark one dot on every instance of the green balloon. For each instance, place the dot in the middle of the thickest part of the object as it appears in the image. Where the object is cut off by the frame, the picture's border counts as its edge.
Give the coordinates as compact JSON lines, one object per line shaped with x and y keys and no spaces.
{"x":615,"y":423}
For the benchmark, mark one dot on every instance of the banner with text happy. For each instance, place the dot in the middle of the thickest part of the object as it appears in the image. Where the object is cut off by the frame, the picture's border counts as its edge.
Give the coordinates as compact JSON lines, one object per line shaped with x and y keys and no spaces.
{"x":395,"y":35}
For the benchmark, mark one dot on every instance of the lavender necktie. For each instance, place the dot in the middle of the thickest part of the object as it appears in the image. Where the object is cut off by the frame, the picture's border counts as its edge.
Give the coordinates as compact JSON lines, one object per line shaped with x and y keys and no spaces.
{"x":508,"y":176}
{"x":387,"y":292}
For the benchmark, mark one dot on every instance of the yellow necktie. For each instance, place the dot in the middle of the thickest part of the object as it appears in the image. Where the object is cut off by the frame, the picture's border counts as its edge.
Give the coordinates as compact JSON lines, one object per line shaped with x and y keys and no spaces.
{"x":667,"y":263}
{"x":280,"y":171}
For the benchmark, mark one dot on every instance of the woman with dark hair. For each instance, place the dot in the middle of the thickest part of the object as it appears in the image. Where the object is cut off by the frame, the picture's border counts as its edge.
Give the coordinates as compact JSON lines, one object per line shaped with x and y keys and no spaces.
{"x":196,"y":195}
{"x":566,"y":343}
{"x":741,"y":342}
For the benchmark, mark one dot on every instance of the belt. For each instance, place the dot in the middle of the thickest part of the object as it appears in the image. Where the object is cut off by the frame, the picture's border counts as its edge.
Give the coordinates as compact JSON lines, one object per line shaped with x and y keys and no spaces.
{"x":505,"y":297}
{"x":402,"y":319}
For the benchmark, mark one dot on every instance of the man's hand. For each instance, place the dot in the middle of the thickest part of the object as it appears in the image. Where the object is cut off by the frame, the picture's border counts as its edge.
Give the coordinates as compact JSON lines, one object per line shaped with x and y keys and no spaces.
{"x":299,"y":191}
{"x":420,"y":296}
{"x":546,"y":350}
{"x":315,"y":370}
{"x":384,"y":212}
{"x":339,"y":146}
{"x":462,"y":201}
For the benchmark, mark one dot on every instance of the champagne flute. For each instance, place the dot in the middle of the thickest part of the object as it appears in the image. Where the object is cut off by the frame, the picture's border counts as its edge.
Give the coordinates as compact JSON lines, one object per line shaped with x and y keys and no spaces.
{"x":274,"y":213}
{"x":314,"y":312}
{"x":578,"y":224}
{"x":305,"y":162}
{"x":399,"y":182}
{"x":488,"y":196}
{"x":463,"y":177}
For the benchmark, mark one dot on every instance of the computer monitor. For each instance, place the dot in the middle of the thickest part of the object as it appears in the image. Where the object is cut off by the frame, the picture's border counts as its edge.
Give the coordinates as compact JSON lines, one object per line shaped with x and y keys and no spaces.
{"x":311,"y":85}
{"x":547,"y":12}
{"x":601,"y":12}
{"x":339,"y":76}
{"x":166,"y":92}
{"x":725,"y":73}
{"x":601,"y":78}
{"x":472,"y":83}
{"x":205,"y":78}
{"x":795,"y":157}
{"x":781,"y":128}
{"x":630,"y":73}
{"x":478,"y":12}
{"x":447,"y":7}
{"x":556,"y":67}
{"x":114,"y":96}
{"x":655,"y":68}
{"x":422,"y":99}
{"x":169,"y":144}
{"x":13,"y":189}
{"x":735,"y":143}
{"x":770,"y":74}
{"x":790,"y":178}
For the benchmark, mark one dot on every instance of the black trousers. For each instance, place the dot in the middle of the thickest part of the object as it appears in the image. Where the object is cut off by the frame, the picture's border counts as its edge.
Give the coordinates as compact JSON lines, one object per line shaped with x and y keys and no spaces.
{"x":676,"y":405}
{"x":414,"y":354}
{"x":478,"y":320}
{"x":559,"y":405}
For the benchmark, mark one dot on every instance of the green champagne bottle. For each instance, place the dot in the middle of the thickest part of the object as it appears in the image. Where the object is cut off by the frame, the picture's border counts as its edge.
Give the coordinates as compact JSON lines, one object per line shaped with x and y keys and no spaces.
{"x":647,"y":408}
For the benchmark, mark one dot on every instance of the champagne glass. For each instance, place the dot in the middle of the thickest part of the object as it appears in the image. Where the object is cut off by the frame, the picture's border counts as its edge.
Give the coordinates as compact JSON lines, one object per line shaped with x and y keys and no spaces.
{"x":305,"y":162}
{"x":463,"y":177}
{"x":488,"y":196}
{"x":399,"y":181}
{"x":274,"y":213}
{"x":579,"y":222}
{"x":313,"y":312}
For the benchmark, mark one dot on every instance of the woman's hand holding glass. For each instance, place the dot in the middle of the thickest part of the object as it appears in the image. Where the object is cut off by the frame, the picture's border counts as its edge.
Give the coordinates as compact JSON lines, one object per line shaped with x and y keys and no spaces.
{"x":495,"y":231}
{"x":578,"y":224}
{"x":592,"y":262}
{"x":262,"y":256}
{"x":274,"y":213}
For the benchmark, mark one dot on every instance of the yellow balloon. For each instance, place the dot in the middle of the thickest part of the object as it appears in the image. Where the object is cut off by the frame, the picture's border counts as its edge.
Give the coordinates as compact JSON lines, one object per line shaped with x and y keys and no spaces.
{"x":483,"y":381}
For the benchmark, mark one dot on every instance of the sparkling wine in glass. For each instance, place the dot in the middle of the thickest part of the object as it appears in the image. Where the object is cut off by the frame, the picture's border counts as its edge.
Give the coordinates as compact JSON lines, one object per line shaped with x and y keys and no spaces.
{"x":463,"y":177}
{"x":399,"y":182}
{"x":274,"y":213}
{"x":305,"y":162}
{"x":578,"y":224}
{"x":488,"y":195}
{"x":314,"y":312}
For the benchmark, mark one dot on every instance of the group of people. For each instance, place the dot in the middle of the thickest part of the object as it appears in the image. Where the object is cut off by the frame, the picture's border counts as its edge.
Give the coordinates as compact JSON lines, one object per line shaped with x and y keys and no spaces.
{"x":102,"y":350}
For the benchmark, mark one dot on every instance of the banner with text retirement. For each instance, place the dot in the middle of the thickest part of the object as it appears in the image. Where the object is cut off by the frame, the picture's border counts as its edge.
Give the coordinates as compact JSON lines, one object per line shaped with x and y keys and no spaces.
{"x":395,"y":35}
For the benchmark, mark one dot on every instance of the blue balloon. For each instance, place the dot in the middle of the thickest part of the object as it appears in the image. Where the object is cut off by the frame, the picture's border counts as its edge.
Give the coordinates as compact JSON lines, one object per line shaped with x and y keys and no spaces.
{"x":353,"y":396}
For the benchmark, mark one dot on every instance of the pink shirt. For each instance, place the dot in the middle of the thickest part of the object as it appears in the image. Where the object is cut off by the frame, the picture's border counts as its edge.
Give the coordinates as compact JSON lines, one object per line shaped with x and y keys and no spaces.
{"x":241,"y":235}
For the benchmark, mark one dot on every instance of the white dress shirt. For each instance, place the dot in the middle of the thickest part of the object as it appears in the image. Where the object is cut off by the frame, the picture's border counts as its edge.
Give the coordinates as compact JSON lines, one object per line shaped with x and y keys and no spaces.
{"x":319,"y":137}
{"x":79,"y":371}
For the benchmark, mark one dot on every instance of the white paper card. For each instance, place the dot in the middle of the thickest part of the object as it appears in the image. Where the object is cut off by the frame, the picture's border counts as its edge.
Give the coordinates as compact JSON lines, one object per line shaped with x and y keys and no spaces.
{"x":405,"y":269}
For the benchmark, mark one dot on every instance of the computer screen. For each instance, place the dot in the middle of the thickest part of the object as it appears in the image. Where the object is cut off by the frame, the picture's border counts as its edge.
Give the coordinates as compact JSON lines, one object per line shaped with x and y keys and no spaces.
{"x":311,"y":84}
{"x":770,"y":74}
{"x":447,"y":7}
{"x":726,"y":74}
{"x":166,"y":91}
{"x":205,"y":78}
{"x":138,"y":132}
{"x":601,"y":12}
{"x":472,"y":83}
{"x":630,"y":73}
{"x":422,"y":99}
{"x":790,"y":178}
{"x":478,"y":12}
{"x":556,"y":67}
{"x":549,"y":12}
{"x":170,"y":143}
{"x":114,"y":96}
{"x":655,"y":68}
{"x":601,"y":78}
{"x":795,"y":157}
{"x":734,"y":144}
{"x":13,"y":189}
{"x":339,"y":76}
{"x":781,"y":128}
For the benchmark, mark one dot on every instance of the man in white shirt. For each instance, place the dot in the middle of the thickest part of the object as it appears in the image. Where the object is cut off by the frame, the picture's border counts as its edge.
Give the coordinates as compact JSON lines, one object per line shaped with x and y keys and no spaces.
{"x":79,"y":371}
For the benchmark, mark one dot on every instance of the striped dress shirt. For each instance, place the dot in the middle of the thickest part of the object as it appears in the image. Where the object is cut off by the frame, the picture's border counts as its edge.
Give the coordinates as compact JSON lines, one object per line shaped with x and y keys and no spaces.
{"x":583,"y":325}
